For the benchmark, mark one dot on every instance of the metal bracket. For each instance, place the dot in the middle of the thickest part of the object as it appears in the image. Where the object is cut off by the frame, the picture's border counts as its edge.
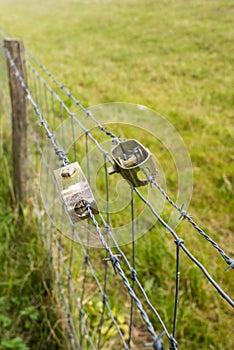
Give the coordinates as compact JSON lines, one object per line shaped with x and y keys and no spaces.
{"x":75,"y":191}
{"x":133,"y":161}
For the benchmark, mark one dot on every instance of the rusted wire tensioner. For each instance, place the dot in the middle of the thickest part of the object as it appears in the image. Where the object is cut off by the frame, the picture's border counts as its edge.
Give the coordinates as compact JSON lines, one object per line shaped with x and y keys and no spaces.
{"x":133,"y":161}
{"x":75,"y":191}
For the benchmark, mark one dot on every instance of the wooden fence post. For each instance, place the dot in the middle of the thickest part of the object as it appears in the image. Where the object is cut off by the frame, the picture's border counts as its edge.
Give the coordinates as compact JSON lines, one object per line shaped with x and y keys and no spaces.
{"x":19,"y":120}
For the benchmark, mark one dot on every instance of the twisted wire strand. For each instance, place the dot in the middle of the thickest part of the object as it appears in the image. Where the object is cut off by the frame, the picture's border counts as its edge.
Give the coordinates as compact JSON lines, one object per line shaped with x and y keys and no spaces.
{"x":60,"y":152}
{"x":71,"y":96}
{"x":134,"y":273}
{"x":117,"y":267}
{"x":185,"y":215}
{"x":182,"y":245}
{"x":70,"y":114}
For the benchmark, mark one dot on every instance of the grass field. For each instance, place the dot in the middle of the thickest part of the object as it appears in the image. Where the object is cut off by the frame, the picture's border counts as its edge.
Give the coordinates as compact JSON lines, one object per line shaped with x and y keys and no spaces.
{"x":176,"y":57}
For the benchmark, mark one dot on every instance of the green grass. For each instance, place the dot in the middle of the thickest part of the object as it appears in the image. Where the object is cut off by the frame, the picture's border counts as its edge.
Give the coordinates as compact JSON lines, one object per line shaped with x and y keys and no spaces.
{"x":175,"y":57}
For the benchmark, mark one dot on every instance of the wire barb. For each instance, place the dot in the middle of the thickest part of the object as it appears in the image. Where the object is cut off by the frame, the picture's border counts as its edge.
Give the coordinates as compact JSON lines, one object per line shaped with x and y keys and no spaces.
{"x":185,"y":215}
{"x":114,"y":260}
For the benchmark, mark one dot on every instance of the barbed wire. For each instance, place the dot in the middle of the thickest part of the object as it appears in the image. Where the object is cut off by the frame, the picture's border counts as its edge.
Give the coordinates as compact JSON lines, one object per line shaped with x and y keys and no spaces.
{"x":180,"y":242}
{"x":151,"y":180}
{"x":184,"y":214}
{"x":114,"y":259}
{"x":70,"y":114}
{"x":69,"y":94}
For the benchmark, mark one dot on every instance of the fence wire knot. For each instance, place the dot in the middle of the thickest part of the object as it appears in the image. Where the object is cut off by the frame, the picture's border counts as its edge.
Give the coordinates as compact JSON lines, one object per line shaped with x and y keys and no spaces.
{"x":87,"y":259}
{"x":105,"y":299}
{"x":183,"y":213}
{"x":134,"y":274}
{"x":114,"y":260}
{"x":179,"y":241}
{"x":62,"y":155}
{"x":60,"y":152}
{"x":173,"y":343}
{"x":88,"y":113}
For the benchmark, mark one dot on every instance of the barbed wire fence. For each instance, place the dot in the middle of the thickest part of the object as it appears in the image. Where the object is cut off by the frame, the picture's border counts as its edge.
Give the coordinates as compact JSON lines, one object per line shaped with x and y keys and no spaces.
{"x":86,"y":282}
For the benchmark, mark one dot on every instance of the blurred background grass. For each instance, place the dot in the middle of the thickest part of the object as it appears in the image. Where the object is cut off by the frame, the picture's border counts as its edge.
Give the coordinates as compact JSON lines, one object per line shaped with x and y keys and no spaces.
{"x":175,"y":57}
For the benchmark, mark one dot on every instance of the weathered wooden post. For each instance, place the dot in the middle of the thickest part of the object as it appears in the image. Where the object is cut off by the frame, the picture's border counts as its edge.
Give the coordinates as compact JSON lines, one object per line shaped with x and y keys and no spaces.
{"x":19,"y":120}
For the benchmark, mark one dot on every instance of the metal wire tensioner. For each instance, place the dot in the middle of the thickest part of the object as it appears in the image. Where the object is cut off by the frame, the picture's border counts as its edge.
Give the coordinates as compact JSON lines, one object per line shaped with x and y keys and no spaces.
{"x":75,"y":192}
{"x":133,"y":161}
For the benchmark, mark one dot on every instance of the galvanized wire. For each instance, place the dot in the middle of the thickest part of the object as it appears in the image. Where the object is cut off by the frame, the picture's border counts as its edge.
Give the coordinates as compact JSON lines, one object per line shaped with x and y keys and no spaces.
{"x":69,"y":113}
{"x":87,"y":112}
{"x":114,"y":259}
{"x":180,"y":242}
